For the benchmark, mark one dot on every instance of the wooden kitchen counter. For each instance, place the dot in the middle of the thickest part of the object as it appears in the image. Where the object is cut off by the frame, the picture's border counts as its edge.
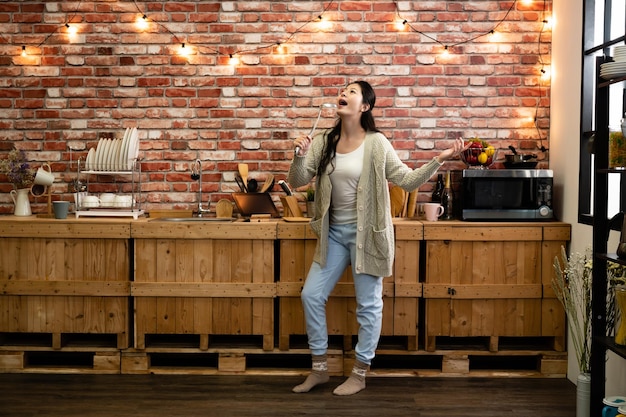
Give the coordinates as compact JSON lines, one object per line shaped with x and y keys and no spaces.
{"x":134,"y":291}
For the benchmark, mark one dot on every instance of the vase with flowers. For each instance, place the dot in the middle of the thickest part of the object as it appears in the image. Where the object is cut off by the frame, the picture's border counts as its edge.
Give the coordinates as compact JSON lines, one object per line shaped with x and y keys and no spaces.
{"x":572,"y":284}
{"x":19,"y":173}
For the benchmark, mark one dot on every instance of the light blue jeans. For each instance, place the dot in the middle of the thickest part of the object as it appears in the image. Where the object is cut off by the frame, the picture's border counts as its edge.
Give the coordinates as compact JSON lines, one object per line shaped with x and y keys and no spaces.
{"x":320,"y":283}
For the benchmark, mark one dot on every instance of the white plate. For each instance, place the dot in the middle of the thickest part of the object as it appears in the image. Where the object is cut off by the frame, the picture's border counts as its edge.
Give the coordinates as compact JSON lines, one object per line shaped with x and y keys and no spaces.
{"x":97,"y":156}
{"x":133,"y":148}
{"x":90,"y":158}
{"x":112,"y":163}
{"x":107,"y":155}
{"x":115,"y":155}
{"x":107,"y":159}
{"x":124,"y":150}
{"x":613,"y":74}
{"x":612,"y":66}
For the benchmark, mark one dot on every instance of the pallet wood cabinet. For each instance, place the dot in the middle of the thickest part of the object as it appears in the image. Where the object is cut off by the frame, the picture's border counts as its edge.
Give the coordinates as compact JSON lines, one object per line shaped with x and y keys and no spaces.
{"x":62,"y":281}
{"x":492,"y":280}
{"x":205,"y":279}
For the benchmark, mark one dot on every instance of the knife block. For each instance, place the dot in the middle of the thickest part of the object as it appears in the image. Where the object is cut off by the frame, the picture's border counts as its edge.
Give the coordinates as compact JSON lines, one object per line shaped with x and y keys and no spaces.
{"x":290,"y":206}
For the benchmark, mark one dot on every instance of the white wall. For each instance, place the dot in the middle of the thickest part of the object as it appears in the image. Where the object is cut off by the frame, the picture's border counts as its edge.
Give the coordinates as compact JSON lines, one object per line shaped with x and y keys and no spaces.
{"x":564,"y":150}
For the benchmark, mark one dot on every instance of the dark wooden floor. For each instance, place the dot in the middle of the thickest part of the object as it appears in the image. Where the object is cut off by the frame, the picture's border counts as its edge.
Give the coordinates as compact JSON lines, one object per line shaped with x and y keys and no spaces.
{"x":193,"y":395}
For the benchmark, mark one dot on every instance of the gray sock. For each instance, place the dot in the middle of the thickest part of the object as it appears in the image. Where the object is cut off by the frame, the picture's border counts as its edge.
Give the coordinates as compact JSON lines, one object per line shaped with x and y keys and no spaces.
{"x":318,"y":375}
{"x":355,"y":382}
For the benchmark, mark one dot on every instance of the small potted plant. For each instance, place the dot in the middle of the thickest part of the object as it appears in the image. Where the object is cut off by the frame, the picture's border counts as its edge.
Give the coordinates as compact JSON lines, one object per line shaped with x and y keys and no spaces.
{"x":310,"y":201}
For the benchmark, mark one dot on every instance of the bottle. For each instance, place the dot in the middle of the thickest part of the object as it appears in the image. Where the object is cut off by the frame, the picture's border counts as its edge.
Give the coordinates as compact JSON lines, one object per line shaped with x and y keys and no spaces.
{"x":436,"y":197}
{"x":447,"y":199}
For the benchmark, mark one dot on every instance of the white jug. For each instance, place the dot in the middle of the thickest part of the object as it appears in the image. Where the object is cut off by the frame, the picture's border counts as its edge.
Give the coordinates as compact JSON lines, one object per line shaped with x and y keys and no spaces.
{"x":22,"y":204}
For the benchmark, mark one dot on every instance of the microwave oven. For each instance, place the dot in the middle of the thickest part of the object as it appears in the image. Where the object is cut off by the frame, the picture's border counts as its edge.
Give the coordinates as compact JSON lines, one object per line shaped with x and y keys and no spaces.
{"x":507,"y":194}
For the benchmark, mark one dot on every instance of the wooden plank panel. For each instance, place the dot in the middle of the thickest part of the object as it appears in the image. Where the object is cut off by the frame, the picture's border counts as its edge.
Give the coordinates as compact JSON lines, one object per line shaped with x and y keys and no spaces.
{"x":474,"y":232}
{"x":561,"y":232}
{"x":407,"y":230}
{"x":70,"y":228}
{"x":66,"y":288}
{"x":215,"y":290}
{"x":222,"y":264}
{"x":184,"y":264}
{"x":204,"y":230}
{"x":166,"y":272}
{"x":470,"y":291}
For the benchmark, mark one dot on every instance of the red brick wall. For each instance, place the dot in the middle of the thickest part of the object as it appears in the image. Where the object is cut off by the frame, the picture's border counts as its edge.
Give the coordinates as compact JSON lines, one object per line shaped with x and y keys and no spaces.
{"x":67,"y":93}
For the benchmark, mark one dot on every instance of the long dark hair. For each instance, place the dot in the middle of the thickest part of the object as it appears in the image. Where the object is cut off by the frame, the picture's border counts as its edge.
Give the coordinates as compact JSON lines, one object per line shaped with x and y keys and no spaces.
{"x":332,"y":136}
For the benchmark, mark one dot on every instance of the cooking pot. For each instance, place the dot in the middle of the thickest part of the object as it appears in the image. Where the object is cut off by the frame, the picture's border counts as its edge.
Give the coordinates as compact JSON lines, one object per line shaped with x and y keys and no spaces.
{"x":519,"y":158}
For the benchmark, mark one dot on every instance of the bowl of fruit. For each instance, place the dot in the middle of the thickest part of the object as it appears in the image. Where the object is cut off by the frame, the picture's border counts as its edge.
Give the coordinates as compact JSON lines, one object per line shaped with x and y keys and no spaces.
{"x":480,"y":154}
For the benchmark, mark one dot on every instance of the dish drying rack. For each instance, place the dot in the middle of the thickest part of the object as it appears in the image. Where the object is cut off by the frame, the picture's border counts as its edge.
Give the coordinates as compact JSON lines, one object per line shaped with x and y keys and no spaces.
{"x":134,"y":210}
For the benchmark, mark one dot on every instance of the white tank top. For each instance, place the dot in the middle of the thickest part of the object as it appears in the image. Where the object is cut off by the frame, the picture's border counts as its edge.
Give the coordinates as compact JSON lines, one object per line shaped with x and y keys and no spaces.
{"x":345,"y":180}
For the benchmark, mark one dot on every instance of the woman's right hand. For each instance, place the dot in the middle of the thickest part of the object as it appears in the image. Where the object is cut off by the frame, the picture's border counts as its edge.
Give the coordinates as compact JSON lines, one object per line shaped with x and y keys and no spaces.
{"x":302,"y":145}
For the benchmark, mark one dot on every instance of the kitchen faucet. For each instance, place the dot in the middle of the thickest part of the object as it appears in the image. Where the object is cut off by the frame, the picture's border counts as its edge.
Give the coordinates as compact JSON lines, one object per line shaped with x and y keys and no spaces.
{"x":196,"y":174}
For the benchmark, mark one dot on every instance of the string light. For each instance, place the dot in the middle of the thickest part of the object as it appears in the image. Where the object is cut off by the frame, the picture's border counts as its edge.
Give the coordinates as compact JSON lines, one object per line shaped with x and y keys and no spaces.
{"x":142,"y":22}
{"x":401,"y":24}
{"x":233,"y":60}
{"x":24,"y":50}
{"x":184,"y":50}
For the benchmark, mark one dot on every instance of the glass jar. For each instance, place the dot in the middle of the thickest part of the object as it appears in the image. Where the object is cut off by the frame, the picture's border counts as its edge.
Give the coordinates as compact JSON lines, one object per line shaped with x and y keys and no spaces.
{"x":617,"y":149}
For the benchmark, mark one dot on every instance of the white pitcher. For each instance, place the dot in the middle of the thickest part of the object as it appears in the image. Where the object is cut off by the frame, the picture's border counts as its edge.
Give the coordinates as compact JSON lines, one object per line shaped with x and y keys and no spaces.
{"x":22,"y":204}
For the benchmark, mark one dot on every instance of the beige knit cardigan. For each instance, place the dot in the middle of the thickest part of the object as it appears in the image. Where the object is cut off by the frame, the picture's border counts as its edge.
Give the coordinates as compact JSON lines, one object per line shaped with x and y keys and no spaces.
{"x":375,"y":236}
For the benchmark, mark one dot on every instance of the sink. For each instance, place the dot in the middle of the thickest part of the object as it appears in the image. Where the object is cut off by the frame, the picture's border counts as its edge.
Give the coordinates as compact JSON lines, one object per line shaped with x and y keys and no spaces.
{"x":194,"y":219}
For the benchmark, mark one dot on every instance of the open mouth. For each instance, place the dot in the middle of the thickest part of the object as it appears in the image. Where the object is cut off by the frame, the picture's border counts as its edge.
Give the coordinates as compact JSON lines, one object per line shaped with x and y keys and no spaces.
{"x":343,"y":102}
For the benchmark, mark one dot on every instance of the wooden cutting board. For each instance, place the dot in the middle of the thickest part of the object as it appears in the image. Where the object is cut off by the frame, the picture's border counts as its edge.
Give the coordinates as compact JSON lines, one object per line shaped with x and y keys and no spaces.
{"x":397,"y":196}
{"x":224,"y":209}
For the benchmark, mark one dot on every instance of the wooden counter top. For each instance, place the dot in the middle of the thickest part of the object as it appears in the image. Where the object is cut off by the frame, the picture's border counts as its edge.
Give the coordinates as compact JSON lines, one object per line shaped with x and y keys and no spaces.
{"x":204,"y":230}
{"x":33,"y":226}
{"x":406,"y":229}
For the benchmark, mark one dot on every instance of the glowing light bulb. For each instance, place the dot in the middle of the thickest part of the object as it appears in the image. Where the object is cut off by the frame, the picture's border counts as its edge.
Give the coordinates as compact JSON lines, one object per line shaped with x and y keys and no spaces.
{"x":527,"y":2}
{"x":545,"y":74}
{"x":142,"y":22}
{"x":445,"y":51}
{"x":324,"y":23}
{"x":24,"y":50}
{"x":547,"y":23}
{"x":233,"y":60}
{"x":400,"y":25}
{"x":71,"y":30}
{"x":281,"y":49}
{"x":184,"y":50}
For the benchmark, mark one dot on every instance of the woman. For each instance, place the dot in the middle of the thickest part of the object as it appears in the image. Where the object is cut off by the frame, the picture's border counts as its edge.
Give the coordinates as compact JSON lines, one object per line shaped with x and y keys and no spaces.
{"x":352,"y":163}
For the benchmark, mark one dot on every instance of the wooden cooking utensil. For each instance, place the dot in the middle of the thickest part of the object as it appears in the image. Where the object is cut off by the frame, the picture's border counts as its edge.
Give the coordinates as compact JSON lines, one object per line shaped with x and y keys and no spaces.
{"x":243,"y":172}
{"x":269,"y":183}
{"x":412,"y":204}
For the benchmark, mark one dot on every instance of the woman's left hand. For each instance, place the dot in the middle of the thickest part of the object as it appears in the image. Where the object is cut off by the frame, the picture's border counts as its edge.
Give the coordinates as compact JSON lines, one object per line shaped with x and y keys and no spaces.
{"x":457,"y":147}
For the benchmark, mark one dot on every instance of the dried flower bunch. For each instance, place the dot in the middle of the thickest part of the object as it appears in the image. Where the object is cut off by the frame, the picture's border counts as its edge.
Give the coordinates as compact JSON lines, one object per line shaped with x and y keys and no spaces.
{"x":572,"y":285}
{"x":17,"y":169}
